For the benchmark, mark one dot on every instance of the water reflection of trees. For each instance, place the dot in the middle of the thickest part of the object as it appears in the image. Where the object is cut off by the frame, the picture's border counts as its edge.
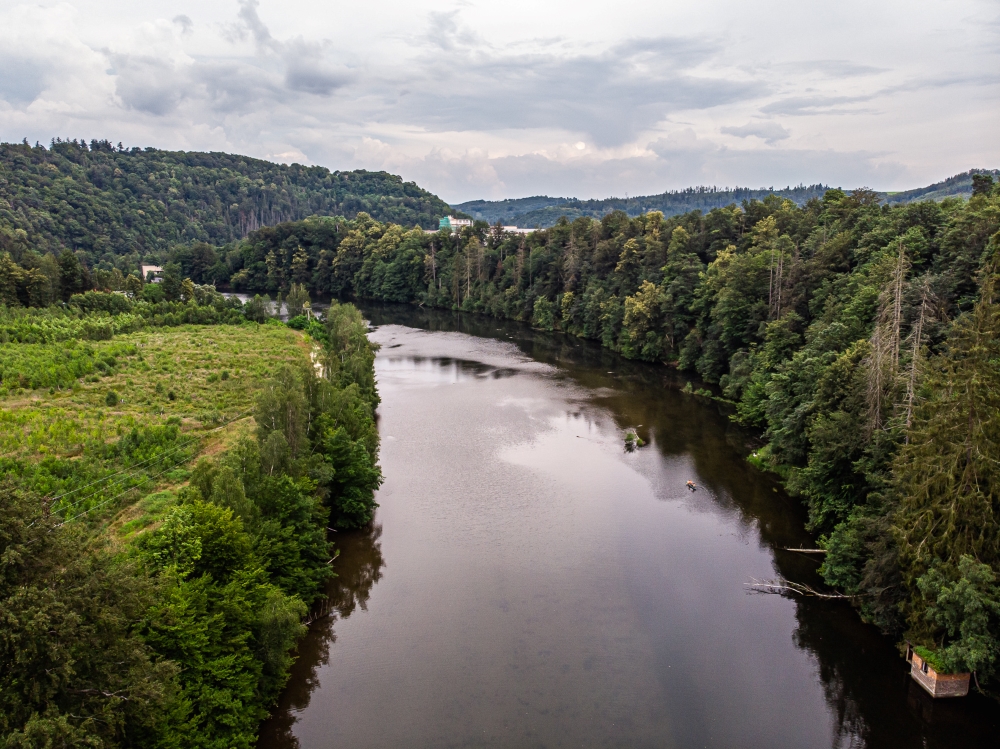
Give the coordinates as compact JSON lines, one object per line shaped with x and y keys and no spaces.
{"x":869,"y":690}
{"x":871,"y":697}
{"x":358,"y":568}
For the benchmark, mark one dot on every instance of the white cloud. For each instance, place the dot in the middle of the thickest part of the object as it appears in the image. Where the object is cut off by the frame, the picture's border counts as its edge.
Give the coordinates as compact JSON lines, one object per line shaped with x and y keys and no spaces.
{"x":478,"y":101}
{"x":769,"y":132}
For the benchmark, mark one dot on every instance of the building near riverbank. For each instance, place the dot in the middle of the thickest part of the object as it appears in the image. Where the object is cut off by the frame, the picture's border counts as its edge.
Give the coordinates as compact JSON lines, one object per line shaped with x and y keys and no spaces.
{"x":151,"y":273}
{"x":454,"y":225}
{"x":936,"y":684}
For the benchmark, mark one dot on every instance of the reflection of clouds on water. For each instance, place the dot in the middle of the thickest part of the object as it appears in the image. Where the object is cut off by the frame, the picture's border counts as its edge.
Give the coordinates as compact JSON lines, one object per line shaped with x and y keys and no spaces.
{"x":538,"y":565}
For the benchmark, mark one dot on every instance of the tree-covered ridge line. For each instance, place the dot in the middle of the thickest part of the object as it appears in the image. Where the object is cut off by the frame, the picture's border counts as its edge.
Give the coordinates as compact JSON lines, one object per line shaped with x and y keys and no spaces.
{"x":958,"y":186}
{"x":851,"y":333}
{"x":118,"y":206}
{"x":542,"y":211}
{"x":164,"y":512}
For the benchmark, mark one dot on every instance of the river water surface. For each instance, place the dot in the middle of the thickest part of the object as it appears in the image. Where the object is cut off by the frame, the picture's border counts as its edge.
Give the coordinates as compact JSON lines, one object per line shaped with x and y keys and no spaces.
{"x":529,"y":583}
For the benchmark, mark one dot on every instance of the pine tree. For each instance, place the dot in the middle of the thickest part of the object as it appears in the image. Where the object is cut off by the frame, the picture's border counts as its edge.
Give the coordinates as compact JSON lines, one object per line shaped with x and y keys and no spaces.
{"x":947,"y":477}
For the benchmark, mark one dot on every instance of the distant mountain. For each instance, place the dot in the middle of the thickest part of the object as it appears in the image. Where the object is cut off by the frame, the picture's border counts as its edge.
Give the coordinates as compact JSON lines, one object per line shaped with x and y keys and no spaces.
{"x":108,"y":201}
{"x":542,"y":211}
{"x":959,"y":186}
{"x":509,"y":209}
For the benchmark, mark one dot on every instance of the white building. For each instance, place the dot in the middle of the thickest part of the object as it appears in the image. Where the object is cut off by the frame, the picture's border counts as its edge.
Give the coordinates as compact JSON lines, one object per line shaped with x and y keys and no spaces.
{"x":156,"y":270}
{"x":453,"y":224}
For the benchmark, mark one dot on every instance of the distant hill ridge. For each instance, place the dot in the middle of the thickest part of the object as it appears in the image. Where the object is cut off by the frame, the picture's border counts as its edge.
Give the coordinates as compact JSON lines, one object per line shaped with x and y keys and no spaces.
{"x":109,"y":201}
{"x":543,"y":211}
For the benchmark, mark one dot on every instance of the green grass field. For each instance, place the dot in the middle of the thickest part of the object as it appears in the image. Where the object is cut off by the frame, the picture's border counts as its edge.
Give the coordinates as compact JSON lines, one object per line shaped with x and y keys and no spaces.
{"x":130,"y":414}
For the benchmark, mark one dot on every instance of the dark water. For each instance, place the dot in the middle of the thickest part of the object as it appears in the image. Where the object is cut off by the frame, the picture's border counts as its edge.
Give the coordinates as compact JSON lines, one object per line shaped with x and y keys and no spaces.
{"x":528,"y":583}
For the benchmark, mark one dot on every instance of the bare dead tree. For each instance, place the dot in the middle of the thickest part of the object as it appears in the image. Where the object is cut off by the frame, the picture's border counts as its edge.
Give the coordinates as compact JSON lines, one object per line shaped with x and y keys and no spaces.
{"x":468,"y":273}
{"x":883,"y":362}
{"x":916,"y":342}
{"x":897,"y":303}
{"x":776,"y":269}
{"x":781,"y":586}
{"x":770,"y":283}
{"x":778,"y":283}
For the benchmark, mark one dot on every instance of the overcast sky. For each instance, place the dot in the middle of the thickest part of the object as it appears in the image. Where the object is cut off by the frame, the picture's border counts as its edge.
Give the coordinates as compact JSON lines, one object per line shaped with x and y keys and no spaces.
{"x":516,"y":98}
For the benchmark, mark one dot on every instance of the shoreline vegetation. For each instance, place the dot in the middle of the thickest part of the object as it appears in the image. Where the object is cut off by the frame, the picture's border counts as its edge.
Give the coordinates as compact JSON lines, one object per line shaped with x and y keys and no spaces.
{"x":170,"y":474}
{"x":858,"y":338}
{"x":862,"y":341}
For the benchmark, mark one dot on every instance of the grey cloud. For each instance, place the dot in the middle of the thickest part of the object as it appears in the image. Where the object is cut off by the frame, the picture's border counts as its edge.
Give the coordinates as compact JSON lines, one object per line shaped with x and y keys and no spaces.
{"x":612,"y":96}
{"x":459,"y":83}
{"x":158,"y":87}
{"x":678,"y":166}
{"x":186,"y":24}
{"x":276,"y":75}
{"x":818,"y":104}
{"x":446,"y":34}
{"x":769,"y":132}
{"x":22,"y":81}
{"x":251,"y":23}
{"x":308,"y":71}
{"x":236,"y":85}
{"x":804,"y":105}
{"x":148,"y":84}
{"x":313,"y":79}
{"x":834,"y":68}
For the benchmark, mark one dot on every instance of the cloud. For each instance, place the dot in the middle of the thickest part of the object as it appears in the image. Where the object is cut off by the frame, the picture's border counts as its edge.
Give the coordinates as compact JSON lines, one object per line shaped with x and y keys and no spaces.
{"x":611,"y":96}
{"x":186,"y":24}
{"x":149,"y":84}
{"x":249,"y":23}
{"x":807,"y":105}
{"x":472,"y":100}
{"x":769,"y":132}
{"x":679,"y":159}
{"x":833,"y":68}
{"x":307,"y":70}
{"x":45,"y":65}
{"x":456,"y":82}
{"x":23,"y":79}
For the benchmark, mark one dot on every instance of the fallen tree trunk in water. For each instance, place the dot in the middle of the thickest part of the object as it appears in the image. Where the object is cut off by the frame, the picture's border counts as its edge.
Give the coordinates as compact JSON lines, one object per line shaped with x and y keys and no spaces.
{"x":780,"y":586}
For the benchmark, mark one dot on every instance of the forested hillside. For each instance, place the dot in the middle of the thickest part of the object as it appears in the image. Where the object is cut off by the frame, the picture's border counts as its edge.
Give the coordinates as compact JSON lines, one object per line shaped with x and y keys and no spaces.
{"x":543,"y":211}
{"x":959,"y":186}
{"x":117,"y":206}
{"x":170,"y":470}
{"x":859,"y":338}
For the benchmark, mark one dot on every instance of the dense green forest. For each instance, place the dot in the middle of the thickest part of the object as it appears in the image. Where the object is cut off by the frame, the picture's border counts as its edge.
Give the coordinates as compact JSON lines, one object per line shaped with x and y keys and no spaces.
{"x":116,"y":206}
{"x":859,"y":338}
{"x":170,"y":472}
{"x":543,"y":211}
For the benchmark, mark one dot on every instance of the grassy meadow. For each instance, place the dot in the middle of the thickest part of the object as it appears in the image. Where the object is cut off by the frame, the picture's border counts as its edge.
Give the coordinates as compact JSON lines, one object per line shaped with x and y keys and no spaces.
{"x":132,"y":413}
{"x":168,"y":476}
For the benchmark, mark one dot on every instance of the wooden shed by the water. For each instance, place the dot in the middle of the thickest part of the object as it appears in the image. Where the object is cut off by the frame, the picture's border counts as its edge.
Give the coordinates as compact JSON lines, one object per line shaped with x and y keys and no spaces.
{"x":935,"y":683}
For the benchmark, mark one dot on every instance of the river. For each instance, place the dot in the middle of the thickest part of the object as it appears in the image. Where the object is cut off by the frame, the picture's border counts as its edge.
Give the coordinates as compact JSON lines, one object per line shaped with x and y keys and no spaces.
{"x":530,"y":583}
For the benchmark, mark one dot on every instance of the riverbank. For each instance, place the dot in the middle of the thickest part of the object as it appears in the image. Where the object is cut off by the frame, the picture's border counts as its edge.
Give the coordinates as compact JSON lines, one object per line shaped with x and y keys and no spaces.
{"x":166,"y":500}
{"x":558,"y":589}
